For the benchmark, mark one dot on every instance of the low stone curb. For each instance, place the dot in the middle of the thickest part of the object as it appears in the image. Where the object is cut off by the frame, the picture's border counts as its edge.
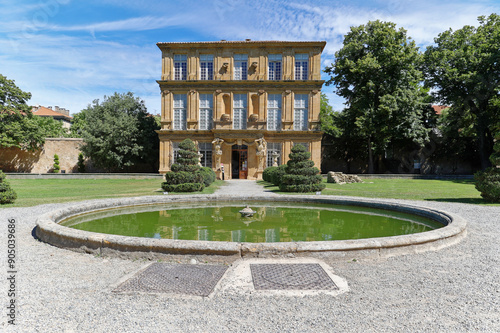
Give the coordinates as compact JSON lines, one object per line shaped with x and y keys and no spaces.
{"x":48,"y":230}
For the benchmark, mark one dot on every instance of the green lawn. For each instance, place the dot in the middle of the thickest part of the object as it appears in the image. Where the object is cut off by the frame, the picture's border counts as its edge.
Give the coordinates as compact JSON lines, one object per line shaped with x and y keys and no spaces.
{"x":412,"y":189}
{"x":31,"y":192}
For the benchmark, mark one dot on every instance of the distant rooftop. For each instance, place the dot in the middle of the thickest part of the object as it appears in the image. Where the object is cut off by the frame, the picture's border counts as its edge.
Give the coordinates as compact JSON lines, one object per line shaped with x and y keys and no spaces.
{"x":43,"y":111}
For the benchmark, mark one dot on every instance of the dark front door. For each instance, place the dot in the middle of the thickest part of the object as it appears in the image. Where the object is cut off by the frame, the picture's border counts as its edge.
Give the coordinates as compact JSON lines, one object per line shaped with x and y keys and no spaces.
{"x":239,"y":162}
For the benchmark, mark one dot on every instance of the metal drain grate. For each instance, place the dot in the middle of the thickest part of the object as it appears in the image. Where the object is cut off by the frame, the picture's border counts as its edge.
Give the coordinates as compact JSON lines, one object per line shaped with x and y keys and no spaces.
{"x":291,"y":277}
{"x":199,"y":280}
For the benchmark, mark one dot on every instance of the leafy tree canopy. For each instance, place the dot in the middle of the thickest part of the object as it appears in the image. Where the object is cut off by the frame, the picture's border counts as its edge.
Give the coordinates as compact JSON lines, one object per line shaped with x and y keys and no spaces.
{"x":119,"y":133}
{"x":18,"y":125}
{"x":464,"y":67}
{"x":377,"y":72}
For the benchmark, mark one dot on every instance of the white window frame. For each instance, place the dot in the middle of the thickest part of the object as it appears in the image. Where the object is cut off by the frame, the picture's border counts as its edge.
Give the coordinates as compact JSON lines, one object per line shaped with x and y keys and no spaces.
{"x":180,"y":67}
{"x":240,"y":111}
{"x":206,"y":112}
{"x":274,"y":67}
{"x":271,"y":148}
{"x":180,"y":112}
{"x":274,"y":112}
{"x":301,"y":66}
{"x":300,"y":112}
{"x":206,"y":67}
{"x":240,"y":67}
{"x":175,"y":151}
{"x":205,"y":149}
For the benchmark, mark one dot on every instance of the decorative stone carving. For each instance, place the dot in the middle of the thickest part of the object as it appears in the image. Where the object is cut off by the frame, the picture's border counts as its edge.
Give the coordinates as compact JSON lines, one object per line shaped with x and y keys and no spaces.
{"x":225,"y":117}
{"x":275,"y":156}
{"x":261,"y":91}
{"x":261,"y":152}
{"x":340,"y":178}
{"x":217,"y":151}
{"x":218,"y":91}
{"x":288,"y":91}
{"x":253,"y":117}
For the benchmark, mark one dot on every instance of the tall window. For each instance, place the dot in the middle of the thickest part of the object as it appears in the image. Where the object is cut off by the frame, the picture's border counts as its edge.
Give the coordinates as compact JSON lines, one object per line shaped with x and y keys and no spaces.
{"x":207,"y":66}
{"x":240,"y":111}
{"x":206,"y":153}
{"x":274,"y":66}
{"x":301,"y":64}
{"x":206,"y":111}
{"x":180,"y":67}
{"x":273,"y":147}
{"x":175,"y":152}
{"x":274,"y":112}
{"x":300,"y":112}
{"x":180,"y":105}
{"x":240,"y":66}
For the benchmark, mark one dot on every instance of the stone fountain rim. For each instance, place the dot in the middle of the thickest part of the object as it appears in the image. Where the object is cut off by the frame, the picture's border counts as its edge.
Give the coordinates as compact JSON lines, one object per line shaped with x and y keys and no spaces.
{"x":49,"y":231}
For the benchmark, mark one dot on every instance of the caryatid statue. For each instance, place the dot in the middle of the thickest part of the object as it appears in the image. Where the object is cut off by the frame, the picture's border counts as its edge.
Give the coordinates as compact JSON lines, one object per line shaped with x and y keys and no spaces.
{"x":218,"y":152}
{"x":261,"y":152}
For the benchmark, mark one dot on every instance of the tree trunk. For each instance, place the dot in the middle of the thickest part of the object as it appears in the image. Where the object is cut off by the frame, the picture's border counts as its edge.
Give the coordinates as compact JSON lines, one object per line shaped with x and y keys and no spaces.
{"x":370,"y":157}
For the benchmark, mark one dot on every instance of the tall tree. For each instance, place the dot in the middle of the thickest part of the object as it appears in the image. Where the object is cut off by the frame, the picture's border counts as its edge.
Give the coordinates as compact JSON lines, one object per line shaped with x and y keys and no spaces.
{"x":18,"y":126}
{"x":464,"y":67}
{"x":119,"y":133}
{"x":377,"y":72}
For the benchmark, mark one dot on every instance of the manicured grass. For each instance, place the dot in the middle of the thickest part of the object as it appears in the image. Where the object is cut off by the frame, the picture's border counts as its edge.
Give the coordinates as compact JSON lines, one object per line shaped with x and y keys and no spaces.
{"x":32,"y":192}
{"x":412,"y":189}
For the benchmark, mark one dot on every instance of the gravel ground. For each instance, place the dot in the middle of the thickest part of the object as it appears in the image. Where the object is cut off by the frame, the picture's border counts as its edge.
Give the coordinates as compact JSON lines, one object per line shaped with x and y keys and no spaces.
{"x":456,"y":289}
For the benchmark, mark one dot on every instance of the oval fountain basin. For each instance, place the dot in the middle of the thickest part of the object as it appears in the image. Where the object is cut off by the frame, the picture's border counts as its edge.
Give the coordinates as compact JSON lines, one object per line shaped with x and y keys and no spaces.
{"x":315,"y":228}
{"x":271,"y":222}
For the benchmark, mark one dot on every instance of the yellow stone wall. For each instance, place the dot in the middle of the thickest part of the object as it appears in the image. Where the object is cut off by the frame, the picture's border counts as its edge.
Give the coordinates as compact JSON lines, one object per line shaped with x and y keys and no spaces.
{"x":256,"y":87}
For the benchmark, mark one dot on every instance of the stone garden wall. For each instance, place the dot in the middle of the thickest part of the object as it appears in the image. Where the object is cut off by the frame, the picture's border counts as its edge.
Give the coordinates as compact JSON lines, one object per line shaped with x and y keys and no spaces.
{"x":42,"y":160}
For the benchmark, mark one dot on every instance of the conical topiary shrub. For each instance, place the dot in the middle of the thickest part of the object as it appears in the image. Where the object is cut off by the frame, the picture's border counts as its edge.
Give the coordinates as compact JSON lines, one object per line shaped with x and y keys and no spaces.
{"x":7,"y":194}
{"x":185,"y":175}
{"x":301,"y":175}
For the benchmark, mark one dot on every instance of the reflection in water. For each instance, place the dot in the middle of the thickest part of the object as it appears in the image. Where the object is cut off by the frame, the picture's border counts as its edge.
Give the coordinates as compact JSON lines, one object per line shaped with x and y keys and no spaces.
{"x":278,"y":222}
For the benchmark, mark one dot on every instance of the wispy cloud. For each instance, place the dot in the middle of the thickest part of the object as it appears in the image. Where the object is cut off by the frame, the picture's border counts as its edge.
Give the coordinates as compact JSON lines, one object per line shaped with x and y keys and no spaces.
{"x":131,"y":24}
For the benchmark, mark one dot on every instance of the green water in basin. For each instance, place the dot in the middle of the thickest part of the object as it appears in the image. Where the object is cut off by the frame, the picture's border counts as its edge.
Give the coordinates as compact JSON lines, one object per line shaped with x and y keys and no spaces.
{"x":272,"y":222}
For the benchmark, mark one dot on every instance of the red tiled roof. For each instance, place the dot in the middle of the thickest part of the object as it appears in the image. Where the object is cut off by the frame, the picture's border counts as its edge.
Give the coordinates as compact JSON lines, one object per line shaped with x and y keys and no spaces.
{"x":439,"y":108}
{"x":46,"y":112}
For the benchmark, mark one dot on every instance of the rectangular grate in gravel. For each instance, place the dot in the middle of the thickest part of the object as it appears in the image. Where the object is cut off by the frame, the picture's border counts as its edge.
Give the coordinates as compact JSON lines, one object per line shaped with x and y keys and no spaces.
{"x":199,"y":280}
{"x":291,"y":277}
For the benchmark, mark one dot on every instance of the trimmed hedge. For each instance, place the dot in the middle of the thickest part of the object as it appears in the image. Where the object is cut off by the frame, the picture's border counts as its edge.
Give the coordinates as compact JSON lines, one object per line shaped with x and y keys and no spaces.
{"x":186,"y":187}
{"x":488,"y":183}
{"x":208,"y":175}
{"x":301,"y":175}
{"x":274,"y":174}
{"x":7,"y":194}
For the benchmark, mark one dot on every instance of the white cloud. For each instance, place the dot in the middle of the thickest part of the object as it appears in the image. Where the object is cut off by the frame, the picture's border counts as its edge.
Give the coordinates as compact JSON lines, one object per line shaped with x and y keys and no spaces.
{"x":131,"y":24}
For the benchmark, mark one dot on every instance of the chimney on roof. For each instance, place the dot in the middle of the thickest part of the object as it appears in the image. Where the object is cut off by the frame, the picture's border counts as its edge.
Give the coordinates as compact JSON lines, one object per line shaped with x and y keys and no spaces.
{"x":247,"y":40}
{"x":49,"y":107}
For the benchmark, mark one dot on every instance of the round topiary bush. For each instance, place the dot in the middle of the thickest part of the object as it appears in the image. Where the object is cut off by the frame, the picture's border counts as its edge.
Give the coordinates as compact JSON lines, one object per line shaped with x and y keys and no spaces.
{"x":208,"y":175}
{"x":488,"y":183}
{"x":7,"y":194}
{"x":301,"y":175}
{"x":185,"y":175}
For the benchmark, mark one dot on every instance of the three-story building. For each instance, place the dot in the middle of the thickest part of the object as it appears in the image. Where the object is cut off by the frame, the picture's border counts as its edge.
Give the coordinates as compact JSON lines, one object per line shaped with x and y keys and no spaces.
{"x":245,"y":103}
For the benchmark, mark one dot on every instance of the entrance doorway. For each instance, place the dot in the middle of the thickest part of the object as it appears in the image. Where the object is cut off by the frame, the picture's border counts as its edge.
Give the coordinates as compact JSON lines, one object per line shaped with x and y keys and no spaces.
{"x":239,"y":162}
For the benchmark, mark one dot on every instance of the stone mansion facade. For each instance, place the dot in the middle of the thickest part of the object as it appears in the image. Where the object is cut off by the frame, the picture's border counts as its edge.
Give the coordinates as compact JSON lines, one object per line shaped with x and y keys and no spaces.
{"x":245,"y":103}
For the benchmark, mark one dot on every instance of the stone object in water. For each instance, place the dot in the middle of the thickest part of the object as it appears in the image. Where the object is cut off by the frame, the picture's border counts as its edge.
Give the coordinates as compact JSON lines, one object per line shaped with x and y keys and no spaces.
{"x":340,"y":178}
{"x":247,"y":212}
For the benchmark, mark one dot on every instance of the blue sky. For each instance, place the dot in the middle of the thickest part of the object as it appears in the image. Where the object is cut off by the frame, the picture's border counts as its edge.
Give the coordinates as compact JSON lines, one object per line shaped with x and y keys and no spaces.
{"x":68,"y":52}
